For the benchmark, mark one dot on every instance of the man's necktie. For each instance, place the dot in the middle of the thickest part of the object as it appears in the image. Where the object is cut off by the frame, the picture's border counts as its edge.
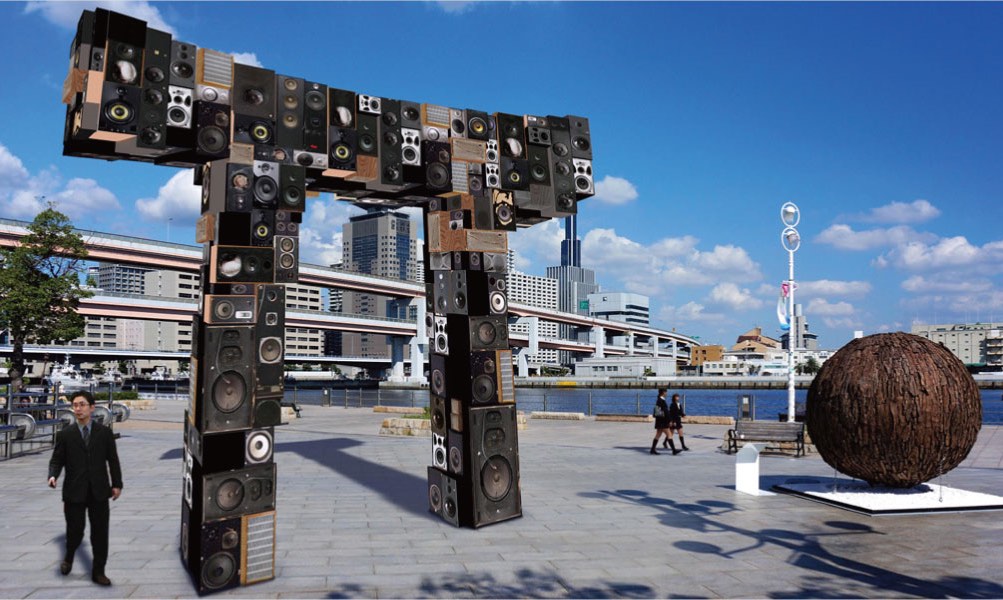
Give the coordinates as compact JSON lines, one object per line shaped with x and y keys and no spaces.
{"x":87,"y":434}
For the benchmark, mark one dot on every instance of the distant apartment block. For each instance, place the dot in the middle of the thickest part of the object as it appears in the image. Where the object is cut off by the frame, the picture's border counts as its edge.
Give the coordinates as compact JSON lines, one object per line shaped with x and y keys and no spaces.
{"x":976,"y":344}
{"x":539,"y":292}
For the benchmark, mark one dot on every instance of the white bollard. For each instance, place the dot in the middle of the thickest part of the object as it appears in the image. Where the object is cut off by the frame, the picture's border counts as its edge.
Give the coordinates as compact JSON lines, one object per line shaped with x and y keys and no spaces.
{"x":747,"y":470}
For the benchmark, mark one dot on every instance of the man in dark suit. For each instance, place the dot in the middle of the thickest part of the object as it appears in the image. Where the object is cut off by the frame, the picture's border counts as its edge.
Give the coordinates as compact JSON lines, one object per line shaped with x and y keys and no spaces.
{"x":87,"y":450}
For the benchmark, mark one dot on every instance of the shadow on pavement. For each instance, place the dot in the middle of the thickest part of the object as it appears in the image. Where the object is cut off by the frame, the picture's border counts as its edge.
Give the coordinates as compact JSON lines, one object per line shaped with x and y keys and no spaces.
{"x":402,"y":489}
{"x":806,"y":551}
{"x":531,"y":584}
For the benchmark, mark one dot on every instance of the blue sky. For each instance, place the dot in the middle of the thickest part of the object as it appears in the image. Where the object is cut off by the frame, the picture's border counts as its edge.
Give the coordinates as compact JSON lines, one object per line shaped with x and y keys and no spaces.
{"x":881,"y":121}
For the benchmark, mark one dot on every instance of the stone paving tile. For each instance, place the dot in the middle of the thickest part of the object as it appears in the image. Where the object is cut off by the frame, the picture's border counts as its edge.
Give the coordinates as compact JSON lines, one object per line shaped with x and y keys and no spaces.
{"x":353,"y":521}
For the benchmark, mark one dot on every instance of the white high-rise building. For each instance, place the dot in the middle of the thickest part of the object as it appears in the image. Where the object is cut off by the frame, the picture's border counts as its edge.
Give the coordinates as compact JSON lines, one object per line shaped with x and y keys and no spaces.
{"x":540,"y":292}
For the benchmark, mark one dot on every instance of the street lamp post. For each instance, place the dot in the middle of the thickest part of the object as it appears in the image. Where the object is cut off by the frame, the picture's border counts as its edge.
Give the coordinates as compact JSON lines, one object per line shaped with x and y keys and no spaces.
{"x":790,"y":215}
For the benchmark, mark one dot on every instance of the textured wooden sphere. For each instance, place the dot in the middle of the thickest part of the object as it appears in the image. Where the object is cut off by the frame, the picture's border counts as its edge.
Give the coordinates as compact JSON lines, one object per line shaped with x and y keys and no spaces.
{"x":893,"y":409}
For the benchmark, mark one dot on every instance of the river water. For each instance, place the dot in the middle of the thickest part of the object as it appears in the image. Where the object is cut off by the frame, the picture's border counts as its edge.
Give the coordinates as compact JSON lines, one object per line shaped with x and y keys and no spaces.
{"x":764,"y":404}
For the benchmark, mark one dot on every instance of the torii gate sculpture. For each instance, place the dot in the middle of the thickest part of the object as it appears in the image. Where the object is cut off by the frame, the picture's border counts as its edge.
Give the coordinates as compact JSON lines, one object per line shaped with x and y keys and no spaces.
{"x":260,"y":144}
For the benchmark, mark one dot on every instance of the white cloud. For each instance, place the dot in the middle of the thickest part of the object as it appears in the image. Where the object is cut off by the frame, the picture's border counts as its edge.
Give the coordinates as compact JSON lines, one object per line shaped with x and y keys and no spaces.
{"x":824,"y":308}
{"x":952,"y":252}
{"x":247,"y":58}
{"x":917,"y":211}
{"x":845,"y":238}
{"x":455,"y":7}
{"x":615,"y":191}
{"x":843,"y":323}
{"x":730,"y":295}
{"x":537,"y":247}
{"x":178,"y":199}
{"x":321,"y":231}
{"x":925,"y":285}
{"x":12,"y":171}
{"x":679,"y":316}
{"x":23,"y":194}
{"x":66,"y":14}
{"x":829,"y":287}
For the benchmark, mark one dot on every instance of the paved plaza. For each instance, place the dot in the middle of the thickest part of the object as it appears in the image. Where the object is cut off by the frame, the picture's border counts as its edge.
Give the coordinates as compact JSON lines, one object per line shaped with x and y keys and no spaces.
{"x":602,"y":518}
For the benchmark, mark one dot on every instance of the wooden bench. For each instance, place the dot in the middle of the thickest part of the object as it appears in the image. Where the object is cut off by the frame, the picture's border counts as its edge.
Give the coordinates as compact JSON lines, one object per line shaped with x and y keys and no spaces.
{"x":767,"y":431}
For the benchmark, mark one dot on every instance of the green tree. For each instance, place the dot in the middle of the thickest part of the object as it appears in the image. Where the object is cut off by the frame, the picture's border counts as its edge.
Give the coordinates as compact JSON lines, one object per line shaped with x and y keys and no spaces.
{"x":811,"y":366}
{"x":40,"y":287}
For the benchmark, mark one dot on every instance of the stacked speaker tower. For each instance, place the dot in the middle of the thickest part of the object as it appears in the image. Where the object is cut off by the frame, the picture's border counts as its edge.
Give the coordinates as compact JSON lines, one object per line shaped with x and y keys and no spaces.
{"x":260,"y":143}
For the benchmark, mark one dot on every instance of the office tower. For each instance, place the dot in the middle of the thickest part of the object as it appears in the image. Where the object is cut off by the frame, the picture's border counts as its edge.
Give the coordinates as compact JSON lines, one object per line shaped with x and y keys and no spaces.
{"x":384,"y":243}
{"x":574,"y":284}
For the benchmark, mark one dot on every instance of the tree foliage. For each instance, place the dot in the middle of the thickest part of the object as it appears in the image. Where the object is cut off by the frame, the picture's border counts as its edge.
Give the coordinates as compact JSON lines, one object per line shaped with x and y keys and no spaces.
{"x":40,"y":287}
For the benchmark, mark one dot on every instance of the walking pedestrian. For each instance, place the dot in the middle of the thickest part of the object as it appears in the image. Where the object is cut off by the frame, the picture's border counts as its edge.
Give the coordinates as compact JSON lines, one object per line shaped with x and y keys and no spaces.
{"x":661,"y":414}
{"x":87,"y":451}
{"x":675,"y":418}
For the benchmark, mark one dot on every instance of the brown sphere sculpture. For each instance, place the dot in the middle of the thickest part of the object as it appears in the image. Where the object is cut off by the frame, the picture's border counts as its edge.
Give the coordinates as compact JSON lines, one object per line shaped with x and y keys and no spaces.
{"x":893,"y":409}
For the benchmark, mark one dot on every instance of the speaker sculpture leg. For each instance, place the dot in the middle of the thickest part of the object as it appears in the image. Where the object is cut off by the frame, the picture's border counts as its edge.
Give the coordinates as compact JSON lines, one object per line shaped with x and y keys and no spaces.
{"x":474,"y":476}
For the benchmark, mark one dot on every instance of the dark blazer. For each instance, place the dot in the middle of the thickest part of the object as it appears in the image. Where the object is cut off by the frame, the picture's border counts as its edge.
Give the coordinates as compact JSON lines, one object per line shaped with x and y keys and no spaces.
{"x":86,"y":467}
{"x":676,"y":415}
{"x":662,"y":422}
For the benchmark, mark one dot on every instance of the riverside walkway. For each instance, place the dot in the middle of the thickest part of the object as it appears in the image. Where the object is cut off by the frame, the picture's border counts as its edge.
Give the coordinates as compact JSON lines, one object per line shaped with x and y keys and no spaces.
{"x":602,"y":518}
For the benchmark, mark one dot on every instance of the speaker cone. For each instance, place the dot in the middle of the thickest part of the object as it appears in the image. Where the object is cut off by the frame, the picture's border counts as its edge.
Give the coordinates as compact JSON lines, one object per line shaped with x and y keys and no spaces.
{"x":153,"y":96}
{"x":341,"y":152}
{"x":261,"y":132}
{"x":437,"y":175}
{"x":287,"y":245}
{"x":460,"y":300}
{"x":212,"y":139}
{"x":155,"y":75}
{"x":230,"y":265}
{"x":438,"y":420}
{"x":538,"y":172}
{"x":230,"y":539}
{"x":441,"y":343}
{"x":486,"y":332}
{"x":259,"y":446}
{"x":254,"y":96}
{"x":496,"y":478}
{"x":182,"y":69}
{"x":287,"y":261}
{"x":228,"y":392}
{"x":125,"y":72}
{"x":455,"y":459}
{"x":483,"y":388}
{"x":151,"y":135}
{"x":270,"y":350}
{"x":343,"y":116}
{"x":223,"y":309}
{"x":566,"y":201}
{"x":503,"y":213}
{"x":582,"y":183}
{"x":315,"y":100}
{"x":478,"y":126}
{"x":435,"y":497}
{"x":262,"y":231}
{"x":265,"y":190}
{"x":230,"y":495}
{"x":563,"y":168}
{"x":366,"y":142}
{"x":581,"y":143}
{"x":498,"y":302}
{"x":438,"y":381}
{"x":218,"y":570}
{"x":290,"y":121}
{"x":561,"y":149}
{"x":119,"y":111}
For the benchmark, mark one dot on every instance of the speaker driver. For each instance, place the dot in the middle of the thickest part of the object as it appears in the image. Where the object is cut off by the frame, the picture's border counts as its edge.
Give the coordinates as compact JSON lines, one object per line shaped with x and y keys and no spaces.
{"x":292,"y":196}
{"x":496,"y":478}
{"x":435,"y":497}
{"x":265,"y":189}
{"x":315,"y":100}
{"x":290,"y":121}
{"x":155,"y":75}
{"x":441,"y":343}
{"x":498,"y":302}
{"x":538,"y":172}
{"x":455,"y":459}
{"x":153,"y":96}
{"x":270,"y":350}
{"x":228,"y":392}
{"x":486,"y":332}
{"x":182,"y":69}
{"x":342,"y":152}
{"x":212,"y":139}
{"x":218,"y":570}
{"x":460,"y":300}
{"x":437,"y":175}
{"x":151,"y":135}
{"x":230,"y":494}
{"x":582,"y":183}
{"x":224,"y":309}
{"x":119,"y":111}
{"x":261,"y":132}
{"x":125,"y":72}
{"x":483,"y":388}
{"x":503,"y":212}
{"x":561,"y":149}
{"x":438,"y":382}
{"x":367,"y":142}
{"x":438,"y":420}
{"x":230,"y":539}
{"x":582,"y":143}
